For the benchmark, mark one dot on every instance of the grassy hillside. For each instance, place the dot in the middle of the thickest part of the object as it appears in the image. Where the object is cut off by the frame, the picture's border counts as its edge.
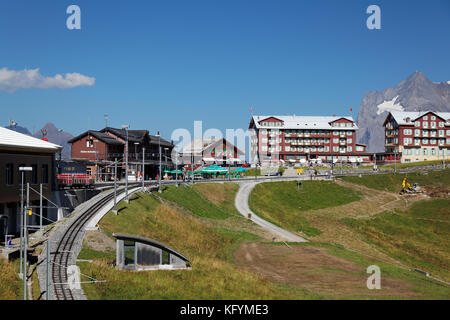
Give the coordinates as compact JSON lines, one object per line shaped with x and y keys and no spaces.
{"x":10,"y":284}
{"x":230,"y":258}
{"x":393,"y":182}
{"x":418,"y":237}
{"x":281,"y":203}
{"x":204,"y":200}
{"x":212,"y":276}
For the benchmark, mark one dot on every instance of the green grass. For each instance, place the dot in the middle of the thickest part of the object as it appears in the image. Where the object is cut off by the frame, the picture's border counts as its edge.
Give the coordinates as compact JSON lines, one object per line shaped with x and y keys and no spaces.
{"x":393,"y":182}
{"x":208,"y":248}
{"x":413,"y":164}
{"x":194,"y":202}
{"x":282,"y":204}
{"x":10,"y":284}
{"x":418,"y":237}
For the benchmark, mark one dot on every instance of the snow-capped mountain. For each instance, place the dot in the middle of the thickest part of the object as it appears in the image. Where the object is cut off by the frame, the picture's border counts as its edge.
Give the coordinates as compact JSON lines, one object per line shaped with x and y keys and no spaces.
{"x":412,"y":94}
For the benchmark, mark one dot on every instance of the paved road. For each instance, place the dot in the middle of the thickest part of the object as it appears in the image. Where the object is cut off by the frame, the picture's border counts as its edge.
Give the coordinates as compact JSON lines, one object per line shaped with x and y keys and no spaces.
{"x":241,"y":203}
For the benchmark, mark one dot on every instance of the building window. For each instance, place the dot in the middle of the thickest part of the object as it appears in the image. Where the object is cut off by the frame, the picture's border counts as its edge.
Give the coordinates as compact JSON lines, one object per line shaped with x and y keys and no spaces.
{"x":433,"y":118}
{"x":335,"y":140}
{"x":349,"y":149}
{"x":417,"y":124}
{"x":425,"y":124}
{"x":425,"y":141}
{"x":425,"y":151}
{"x":441,"y":124}
{"x":349,"y":140}
{"x":433,"y":151}
{"x":9,"y":174}
{"x":432,"y":141}
{"x":425,"y":118}
{"x":433,"y":124}
{"x":34,"y":174}
{"x":45,"y":173}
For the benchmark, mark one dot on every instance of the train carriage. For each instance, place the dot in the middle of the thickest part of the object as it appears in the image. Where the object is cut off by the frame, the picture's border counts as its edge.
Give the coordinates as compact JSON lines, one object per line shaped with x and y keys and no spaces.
{"x":73,"y":174}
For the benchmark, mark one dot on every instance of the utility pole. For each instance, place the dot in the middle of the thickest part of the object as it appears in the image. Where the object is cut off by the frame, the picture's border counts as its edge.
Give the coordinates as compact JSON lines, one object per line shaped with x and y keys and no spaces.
{"x":40,"y":206}
{"x":159,"y":150}
{"x":136,"y":159}
{"x":22,"y":217}
{"x":143,"y":169}
{"x":126,"y":164}
{"x":47,"y":291}
{"x":395,"y":160}
{"x":176,"y":170}
{"x":115,"y":186}
{"x":25,"y":245}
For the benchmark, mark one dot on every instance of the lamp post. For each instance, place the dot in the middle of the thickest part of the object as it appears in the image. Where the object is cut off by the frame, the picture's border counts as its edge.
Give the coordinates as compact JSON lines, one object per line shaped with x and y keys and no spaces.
{"x":23,"y":233}
{"x":159,"y":150}
{"x":126,"y":127}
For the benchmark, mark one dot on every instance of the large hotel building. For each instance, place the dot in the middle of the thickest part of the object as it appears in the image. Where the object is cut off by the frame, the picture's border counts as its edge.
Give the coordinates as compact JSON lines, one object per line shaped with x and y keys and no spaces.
{"x":418,"y":136}
{"x":297,"y":139}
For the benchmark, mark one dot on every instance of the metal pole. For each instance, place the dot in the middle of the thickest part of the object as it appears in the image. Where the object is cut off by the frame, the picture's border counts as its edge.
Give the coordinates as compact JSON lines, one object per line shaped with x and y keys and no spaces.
{"x":115,"y":186}
{"x":47,"y":291}
{"x":21,"y":226}
{"x":126,"y":170}
{"x":176,"y":170}
{"x":395,"y":161}
{"x":159,"y":177}
{"x":25,"y":246}
{"x":40,"y":206}
{"x":143,"y":169}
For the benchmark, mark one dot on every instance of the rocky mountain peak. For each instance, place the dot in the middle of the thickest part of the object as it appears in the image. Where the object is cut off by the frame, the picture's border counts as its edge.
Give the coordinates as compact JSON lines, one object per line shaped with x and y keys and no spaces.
{"x":414,"y":93}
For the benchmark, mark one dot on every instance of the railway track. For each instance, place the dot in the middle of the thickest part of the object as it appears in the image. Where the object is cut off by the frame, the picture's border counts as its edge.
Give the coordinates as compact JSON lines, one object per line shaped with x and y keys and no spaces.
{"x":60,"y":259}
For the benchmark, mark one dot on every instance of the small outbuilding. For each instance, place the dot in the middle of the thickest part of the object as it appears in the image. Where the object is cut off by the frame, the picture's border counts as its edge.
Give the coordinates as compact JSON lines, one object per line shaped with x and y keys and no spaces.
{"x":139,"y":253}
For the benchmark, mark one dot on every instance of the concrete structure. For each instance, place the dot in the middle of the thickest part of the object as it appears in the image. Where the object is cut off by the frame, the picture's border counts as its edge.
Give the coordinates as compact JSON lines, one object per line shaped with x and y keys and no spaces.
{"x":19,"y":150}
{"x":417,"y":136}
{"x":100,"y":148}
{"x":297,"y":139}
{"x":139,"y":253}
{"x":208,"y":151}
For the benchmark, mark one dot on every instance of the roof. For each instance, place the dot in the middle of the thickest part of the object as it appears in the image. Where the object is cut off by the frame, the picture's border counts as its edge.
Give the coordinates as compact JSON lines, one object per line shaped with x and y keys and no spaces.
{"x":133,"y":135}
{"x":305,"y":122}
{"x":99,"y":135}
{"x":157,"y":139}
{"x":10,"y":139}
{"x":200,"y":145}
{"x":401,"y":116}
{"x":123,"y":236}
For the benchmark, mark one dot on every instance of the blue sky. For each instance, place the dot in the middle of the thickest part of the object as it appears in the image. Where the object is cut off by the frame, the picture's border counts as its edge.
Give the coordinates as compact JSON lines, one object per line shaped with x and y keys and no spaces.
{"x":160,"y":65}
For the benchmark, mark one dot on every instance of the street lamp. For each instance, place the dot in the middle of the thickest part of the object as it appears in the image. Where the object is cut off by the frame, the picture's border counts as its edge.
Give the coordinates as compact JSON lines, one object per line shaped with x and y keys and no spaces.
{"x":159,"y":151}
{"x":23,"y":233}
{"x":126,"y":127}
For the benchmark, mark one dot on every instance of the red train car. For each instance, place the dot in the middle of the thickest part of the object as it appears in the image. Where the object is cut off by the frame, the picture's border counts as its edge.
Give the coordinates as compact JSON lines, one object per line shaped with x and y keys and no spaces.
{"x":72,"y":174}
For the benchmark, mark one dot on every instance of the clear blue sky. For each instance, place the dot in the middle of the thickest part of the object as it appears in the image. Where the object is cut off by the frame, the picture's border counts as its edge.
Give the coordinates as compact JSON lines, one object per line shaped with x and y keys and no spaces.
{"x":160,"y":65}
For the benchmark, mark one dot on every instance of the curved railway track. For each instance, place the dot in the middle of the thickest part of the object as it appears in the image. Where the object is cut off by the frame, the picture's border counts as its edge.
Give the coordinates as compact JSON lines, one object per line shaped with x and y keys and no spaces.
{"x":60,"y":259}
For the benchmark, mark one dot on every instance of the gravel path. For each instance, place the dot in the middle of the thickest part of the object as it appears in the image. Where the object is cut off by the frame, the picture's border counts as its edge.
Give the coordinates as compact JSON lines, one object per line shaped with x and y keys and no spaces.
{"x":241,"y":203}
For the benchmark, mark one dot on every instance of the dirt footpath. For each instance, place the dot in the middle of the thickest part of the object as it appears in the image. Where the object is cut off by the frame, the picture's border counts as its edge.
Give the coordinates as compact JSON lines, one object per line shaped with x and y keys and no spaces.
{"x":316,"y":270}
